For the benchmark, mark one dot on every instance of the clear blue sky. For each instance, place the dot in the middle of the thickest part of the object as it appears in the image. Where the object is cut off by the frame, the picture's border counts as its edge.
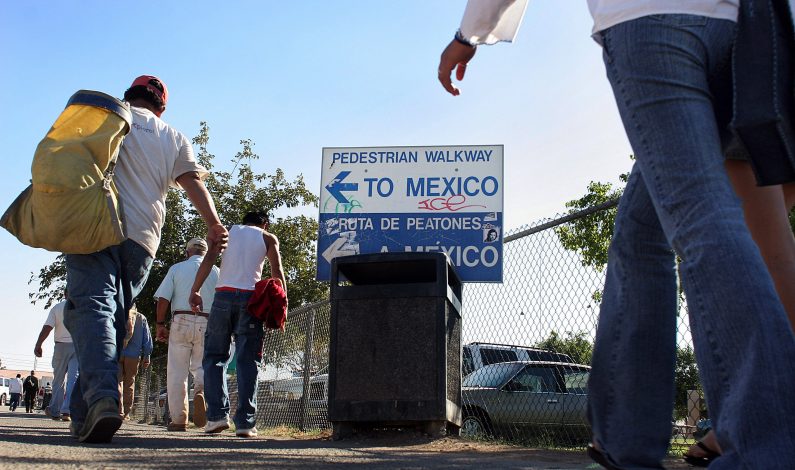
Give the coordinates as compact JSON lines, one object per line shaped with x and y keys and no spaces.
{"x":297,"y":76}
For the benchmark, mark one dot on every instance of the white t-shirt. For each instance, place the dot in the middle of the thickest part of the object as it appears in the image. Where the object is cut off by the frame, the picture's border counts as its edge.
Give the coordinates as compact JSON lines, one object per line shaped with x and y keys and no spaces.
{"x":55,"y":321}
{"x":491,"y":21}
{"x":152,"y":157}
{"x":178,"y":281}
{"x":607,"y":13}
{"x":15,"y":385}
{"x":241,"y":265}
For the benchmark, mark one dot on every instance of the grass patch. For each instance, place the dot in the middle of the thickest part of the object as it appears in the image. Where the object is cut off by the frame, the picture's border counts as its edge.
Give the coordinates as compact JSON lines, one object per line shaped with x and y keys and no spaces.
{"x":295,"y":433}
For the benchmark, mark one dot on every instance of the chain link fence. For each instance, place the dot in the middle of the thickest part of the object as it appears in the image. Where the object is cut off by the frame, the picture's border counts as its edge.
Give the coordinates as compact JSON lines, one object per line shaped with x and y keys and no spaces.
{"x":527,"y":346}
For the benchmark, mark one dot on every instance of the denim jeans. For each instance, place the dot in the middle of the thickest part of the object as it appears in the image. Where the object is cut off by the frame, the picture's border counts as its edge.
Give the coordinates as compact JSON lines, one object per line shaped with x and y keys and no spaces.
{"x":102,"y":287}
{"x":64,"y":366}
{"x":672,"y":82}
{"x":15,"y":399}
{"x":229,"y":317}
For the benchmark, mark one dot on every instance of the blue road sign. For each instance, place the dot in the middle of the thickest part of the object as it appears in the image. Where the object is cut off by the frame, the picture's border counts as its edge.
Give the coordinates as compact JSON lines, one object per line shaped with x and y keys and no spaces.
{"x":441,"y":198}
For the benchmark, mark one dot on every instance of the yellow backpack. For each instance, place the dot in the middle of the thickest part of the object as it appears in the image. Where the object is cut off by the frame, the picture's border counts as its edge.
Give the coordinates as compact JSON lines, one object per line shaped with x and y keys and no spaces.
{"x":72,"y":203}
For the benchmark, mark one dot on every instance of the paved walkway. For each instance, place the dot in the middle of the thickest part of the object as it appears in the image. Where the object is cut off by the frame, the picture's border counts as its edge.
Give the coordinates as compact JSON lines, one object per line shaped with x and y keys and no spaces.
{"x":33,"y":440}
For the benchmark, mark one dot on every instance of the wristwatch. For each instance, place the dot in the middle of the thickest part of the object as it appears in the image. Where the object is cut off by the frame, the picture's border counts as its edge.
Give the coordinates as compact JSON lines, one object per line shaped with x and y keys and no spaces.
{"x":460,"y":38}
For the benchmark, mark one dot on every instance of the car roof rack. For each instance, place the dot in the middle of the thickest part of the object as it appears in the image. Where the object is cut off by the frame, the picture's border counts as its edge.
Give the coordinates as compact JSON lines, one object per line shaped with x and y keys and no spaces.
{"x":480,"y":343}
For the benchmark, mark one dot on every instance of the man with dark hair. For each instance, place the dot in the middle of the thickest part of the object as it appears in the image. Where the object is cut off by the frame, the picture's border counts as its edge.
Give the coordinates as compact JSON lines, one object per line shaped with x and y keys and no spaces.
{"x":250,"y":245}
{"x":103,"y":285}
{"x":30,"y":387}
{"x":149,"y":89}
{"x":15,"y":389}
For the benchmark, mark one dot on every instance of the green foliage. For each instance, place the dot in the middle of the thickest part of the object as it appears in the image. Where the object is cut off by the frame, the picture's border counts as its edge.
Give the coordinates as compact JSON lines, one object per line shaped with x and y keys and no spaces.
{"x":792,"y":219}
{"x":574,"y":344}
{"x":51,"y":280}
{"x":590,"y":236}
{"x":234,"y":193}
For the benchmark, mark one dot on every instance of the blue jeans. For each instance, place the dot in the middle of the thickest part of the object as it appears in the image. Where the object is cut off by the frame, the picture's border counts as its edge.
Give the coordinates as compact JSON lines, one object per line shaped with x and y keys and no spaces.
{"x":672,"y":82}
{"x":15,"y":398}
{"x":64,"y":366}
{"x":229,"y":317}
{"x":102,"y":287}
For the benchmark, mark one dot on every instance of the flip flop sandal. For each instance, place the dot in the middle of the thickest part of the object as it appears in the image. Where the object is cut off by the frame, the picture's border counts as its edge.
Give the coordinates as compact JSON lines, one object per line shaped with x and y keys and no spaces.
{"x":600,"y":458}
{"x":704,"y":460}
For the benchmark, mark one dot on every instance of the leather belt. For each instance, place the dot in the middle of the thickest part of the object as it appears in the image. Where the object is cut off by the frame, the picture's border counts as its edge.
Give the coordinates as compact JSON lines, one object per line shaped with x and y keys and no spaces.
{"x":188,"y":312}
{"x":232,"y":289}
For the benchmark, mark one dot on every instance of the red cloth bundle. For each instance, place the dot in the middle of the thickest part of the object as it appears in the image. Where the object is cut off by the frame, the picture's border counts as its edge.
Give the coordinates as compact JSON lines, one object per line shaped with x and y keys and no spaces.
{"x":269,"y":303}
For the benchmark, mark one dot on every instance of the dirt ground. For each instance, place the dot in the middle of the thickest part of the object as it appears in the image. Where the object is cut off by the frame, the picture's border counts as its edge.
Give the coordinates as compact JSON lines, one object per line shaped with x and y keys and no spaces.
{"x":33,"y":440}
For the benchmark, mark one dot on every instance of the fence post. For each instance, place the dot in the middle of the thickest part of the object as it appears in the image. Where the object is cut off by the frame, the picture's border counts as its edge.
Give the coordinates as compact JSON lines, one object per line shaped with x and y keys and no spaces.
{"x":310,"y":339}
{"x":146,"y":385}
{"x":158,"y":411}
{"x":693,"y":407}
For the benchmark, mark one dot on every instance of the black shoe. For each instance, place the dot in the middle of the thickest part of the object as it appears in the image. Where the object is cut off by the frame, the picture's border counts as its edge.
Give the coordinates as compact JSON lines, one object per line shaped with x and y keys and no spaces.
{"x":102,"y":422}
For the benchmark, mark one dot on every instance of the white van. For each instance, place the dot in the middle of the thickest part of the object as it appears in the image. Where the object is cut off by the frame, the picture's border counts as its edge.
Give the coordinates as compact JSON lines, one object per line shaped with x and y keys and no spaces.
{"x":5,"y":395}
{"x":477,"y":355}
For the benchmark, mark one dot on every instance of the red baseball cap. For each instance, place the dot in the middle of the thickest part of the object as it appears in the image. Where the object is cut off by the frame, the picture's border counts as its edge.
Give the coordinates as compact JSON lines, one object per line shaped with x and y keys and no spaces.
{"x":154,"y":84}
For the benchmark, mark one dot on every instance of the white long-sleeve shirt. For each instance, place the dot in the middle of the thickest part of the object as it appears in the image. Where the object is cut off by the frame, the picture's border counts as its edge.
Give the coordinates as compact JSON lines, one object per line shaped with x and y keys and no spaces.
{"x":492,"y":21}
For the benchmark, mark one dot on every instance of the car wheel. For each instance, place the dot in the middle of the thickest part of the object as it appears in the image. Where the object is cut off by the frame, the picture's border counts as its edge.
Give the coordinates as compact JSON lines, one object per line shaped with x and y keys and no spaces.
{"x":475,"y":425}
{"x":3,"y":400}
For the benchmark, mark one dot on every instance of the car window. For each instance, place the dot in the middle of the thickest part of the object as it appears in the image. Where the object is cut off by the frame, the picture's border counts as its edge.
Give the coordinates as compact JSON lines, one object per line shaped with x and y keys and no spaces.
{"x":534,"y":379}
{"x":491,"y":376}
{"x":576,"y":381}
{"x":536,"y":355}
{"x":467,"y":363}
{"x":494,"y":356}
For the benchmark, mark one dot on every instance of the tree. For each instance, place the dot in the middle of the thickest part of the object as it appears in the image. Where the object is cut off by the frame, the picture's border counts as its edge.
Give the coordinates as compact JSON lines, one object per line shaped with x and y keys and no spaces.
{"x":574,"y":344}
{"x":234,"y":193}
{"x":590,"y":235}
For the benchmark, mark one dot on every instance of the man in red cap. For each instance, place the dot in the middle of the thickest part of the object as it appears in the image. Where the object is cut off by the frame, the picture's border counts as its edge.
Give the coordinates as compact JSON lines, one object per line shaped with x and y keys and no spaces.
{"x":103,"y":285}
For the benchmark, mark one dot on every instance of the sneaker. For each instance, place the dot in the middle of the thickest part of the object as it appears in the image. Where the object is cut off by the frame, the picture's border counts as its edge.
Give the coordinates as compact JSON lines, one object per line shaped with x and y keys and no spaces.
{"x":65,"y":417}
{"x":246,"y":432}
{"x":214,"y":427}
{"x":102,"y":422}
{"x":48,"y":413}
{"x":199,"y":411}
{"x":174,"y":427}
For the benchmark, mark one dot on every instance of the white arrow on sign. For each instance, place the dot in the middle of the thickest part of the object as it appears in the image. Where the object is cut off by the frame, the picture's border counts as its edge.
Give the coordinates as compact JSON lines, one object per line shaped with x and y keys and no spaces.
{"x":338,"y":248}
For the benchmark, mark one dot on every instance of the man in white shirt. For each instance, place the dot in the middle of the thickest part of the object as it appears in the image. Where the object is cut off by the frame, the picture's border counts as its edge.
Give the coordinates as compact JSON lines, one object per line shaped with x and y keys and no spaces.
{"x":103,"y":285}
{"x":186,"y":335}
{"x":15,"y":390}
{"x":64,"y":362}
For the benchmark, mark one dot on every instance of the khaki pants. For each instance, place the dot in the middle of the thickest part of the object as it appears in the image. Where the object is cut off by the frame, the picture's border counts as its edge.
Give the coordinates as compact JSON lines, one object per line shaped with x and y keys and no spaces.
{"x":128,"y":368}
{"x":185,"y":351}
